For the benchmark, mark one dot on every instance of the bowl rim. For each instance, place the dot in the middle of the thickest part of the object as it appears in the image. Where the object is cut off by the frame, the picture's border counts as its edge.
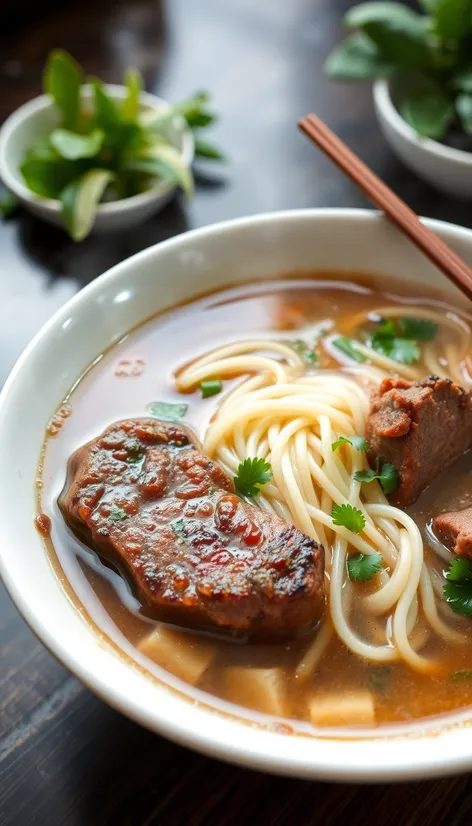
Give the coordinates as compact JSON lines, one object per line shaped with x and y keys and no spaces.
{"x":384,"y":104}
{"x":255,"y":751}
{"x":12,"y":179}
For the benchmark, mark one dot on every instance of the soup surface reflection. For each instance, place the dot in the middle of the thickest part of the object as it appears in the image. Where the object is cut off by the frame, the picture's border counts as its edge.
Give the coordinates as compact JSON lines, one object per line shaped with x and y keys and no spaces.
{"x":140,"y":370}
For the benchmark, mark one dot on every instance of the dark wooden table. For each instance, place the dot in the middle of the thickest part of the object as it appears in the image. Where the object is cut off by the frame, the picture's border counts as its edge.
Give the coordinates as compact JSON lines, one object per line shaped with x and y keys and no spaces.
{"x":67,"y":759}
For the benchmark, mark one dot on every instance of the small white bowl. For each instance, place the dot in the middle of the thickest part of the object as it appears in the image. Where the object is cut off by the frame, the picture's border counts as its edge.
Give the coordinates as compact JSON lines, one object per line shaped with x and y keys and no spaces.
{"x":40,"y":116}
{"x":446,"y":169}
{"x":241,"y":251}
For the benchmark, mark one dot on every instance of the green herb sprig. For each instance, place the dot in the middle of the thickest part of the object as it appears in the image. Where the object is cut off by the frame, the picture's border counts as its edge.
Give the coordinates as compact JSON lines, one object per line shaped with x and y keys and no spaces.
{"x":357,"y":442}
{"x":428,"y":56}
{"x":347,"y":516}
{"x":168,"y":411}
{"x":386,"y":474}
{"x":252,"y":474}
{"x":363,"y":567}
{"x":348,"y":347}
{"x":106,"y":149}
{"x":458,"y":588}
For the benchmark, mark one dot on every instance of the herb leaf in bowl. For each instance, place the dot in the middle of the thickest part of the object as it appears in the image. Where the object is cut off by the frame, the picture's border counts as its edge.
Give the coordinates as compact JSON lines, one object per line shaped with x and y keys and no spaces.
{"x":106,"y":148}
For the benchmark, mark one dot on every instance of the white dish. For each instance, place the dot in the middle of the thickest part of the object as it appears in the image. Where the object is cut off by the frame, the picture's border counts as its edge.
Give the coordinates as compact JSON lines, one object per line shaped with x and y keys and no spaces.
{"x":157,"y":278}
{"x":40,"y":116}
{"x":446,"y":169}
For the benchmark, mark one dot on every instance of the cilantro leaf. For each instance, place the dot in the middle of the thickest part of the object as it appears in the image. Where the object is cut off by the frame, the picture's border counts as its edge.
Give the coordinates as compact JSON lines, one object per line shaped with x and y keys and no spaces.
{"x":252,"y":473}
{"x":134,"y":450}
{"x":386,"y":473}
{"x":405,"y":351}
{"x":387,"y":341}
{"x":178,"y":528}
{"x":464,"y":674}
{"x":362,"y":567}
{"x":459,"y":569}
{"x":458,"y":588}
{"x":388,"y":478}
{"x":167,"y":411}
{"x":420,"y":329}
{"x":358,"y":442}
{"x":117,"y":514}
{"x":210,"y":388}
{"x":308,"y":356}
{"x":365,"y":475}
{"x":347,"y":346}
{"x":348,"y":517}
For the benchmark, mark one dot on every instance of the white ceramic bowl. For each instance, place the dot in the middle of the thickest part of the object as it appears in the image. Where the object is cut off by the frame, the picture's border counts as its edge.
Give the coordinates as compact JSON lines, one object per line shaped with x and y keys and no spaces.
{"x":40,"y":116}
{"x":206,"y":259}
{"x":446,"y":169}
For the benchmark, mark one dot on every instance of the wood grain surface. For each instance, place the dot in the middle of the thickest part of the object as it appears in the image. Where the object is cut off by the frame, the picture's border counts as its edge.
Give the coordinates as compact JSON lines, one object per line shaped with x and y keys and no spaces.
{"x":66,"y":759}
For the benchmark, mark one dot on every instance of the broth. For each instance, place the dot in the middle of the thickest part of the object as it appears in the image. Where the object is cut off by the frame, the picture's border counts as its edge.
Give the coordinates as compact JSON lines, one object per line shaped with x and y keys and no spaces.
{"x":139,"y":370}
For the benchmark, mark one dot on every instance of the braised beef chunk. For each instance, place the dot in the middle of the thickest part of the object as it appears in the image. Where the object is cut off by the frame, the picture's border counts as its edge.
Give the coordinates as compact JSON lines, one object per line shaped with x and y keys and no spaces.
{"x":454,"y":529}
{"x":147,"y":499}
{"x":420,"y":427}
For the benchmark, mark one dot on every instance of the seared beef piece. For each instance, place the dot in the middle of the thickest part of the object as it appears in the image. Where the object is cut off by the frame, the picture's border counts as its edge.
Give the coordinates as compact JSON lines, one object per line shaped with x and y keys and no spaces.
{"x":147,"y":499}
{"x":420,"y":427}
{"x":454,"y":529}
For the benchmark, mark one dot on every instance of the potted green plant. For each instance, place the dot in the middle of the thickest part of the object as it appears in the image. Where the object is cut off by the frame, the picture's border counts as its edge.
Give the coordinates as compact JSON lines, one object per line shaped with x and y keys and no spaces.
{"x":87,"y":155}
{"x":422,"y":67}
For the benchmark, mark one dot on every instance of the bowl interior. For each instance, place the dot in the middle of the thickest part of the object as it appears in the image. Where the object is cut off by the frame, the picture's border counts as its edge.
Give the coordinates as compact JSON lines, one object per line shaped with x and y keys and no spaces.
{"x":244,"y":250}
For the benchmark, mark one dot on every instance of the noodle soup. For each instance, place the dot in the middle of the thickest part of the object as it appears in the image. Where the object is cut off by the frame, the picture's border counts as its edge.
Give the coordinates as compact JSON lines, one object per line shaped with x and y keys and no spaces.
{"x":287,"y":369}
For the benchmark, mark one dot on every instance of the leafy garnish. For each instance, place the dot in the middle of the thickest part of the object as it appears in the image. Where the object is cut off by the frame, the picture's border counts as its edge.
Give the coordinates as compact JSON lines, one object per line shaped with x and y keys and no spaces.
{"x":427,"y":56}
{"x":348,"y":347}
{"x":134,"y":450}
{"x":358,"y":442}
{"x":389,"y":342}
{"x":73,"y":146}
{"x":105,"y":147}
{"x":458,"y":588}
{"x":306,"y":353}
{"x":211,"y":387}
{"x":178,"y":527}
{"x":385,"y":472}
{"x":348,"y":517}
{"x":429,"y":111}
{"x":362,"y":567}
{"x":9,"y":203}
{"x":134,"y":85}
{"x":62,"y":80}
{"x":252,"y":473}
{"x":167,"y":411}
{"x":117,"y":514}
{"x":464,"y":674}
{"x":163,"y":162}
{"x":421,"y":329}
{"x":79,"y":201}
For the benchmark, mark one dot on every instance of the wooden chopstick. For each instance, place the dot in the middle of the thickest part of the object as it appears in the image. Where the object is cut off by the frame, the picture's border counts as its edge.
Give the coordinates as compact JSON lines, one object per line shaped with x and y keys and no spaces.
{"x":394,"y":208}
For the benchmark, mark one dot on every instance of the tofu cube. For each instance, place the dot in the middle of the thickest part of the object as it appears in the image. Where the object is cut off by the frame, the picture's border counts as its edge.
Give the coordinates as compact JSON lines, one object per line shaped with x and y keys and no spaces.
{"x":356,"y":708}
{"x":184,"y":655}
{"x":262,"y":689}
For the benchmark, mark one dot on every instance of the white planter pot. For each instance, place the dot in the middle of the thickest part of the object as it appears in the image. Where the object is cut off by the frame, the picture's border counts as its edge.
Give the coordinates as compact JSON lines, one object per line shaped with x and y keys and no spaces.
{"x":448,"y":170}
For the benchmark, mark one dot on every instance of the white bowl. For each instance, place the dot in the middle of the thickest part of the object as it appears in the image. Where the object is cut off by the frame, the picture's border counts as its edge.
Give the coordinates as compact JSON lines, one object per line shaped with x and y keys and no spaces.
{"x":155,"y":279}
{"x":446,"y":169}
{"x":40,"y":116}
